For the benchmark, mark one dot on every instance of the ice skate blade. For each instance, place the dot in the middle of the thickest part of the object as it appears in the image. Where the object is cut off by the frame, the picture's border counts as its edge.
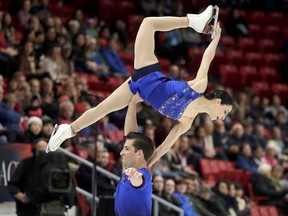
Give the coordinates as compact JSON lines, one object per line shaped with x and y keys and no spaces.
{"x":52,"y":134}
{"x":215,"y":17}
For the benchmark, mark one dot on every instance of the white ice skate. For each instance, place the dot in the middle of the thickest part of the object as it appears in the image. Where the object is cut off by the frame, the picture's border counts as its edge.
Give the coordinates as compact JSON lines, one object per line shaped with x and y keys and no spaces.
{"x":202,"y":22}
{"x":59,"y":134}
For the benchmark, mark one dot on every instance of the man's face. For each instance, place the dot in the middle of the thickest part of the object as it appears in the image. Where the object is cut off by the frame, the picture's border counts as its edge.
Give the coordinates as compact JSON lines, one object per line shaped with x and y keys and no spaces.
{"x":193,"y":186}
{"x":129,"y":156}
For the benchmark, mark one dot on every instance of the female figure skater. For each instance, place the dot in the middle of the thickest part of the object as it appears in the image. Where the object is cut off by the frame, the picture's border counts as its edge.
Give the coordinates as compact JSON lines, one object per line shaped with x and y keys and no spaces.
{"x":181,"y":101}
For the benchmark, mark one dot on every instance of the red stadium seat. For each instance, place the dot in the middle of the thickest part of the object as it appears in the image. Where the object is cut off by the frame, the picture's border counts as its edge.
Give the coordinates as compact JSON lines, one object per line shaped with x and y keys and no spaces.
{"x":271,"y":60}
{"x":257,"y":17}
{"x":195,"y":57}
{"x":254,"y":198}
{"x":253,"y":59}
{"x":255,"y":30}
{"x":219,"y":58}
{"x":269,"y":74}
{"x":281,"y":90}
{"x":262,"y":89}
{"x":264,"y":211}
{"x":248,"y":75}
{"x":236,"y":57}
{"x":276,"y":18}
{"x":267,"y":45}
{"x":229,"y":76}
{"x":247,"y":44}
{"x":228,"y":42}
{"x":272,"y":32}
{"x":134,"y":22}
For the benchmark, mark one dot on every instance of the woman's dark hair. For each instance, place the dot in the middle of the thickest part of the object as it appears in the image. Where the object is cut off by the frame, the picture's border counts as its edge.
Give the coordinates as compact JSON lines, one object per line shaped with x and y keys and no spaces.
{"x":226,"y":99}
{"x":142,"y":142}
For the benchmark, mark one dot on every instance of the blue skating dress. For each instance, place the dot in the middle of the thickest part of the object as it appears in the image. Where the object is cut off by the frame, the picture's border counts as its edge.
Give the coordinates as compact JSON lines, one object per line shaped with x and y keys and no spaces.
{"x":168,"y":96}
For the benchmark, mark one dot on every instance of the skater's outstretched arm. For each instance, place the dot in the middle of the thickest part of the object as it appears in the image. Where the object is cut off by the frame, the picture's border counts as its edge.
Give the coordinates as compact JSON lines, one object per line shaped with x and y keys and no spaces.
{"x":200,"y":83}
{"x":177,"y":130}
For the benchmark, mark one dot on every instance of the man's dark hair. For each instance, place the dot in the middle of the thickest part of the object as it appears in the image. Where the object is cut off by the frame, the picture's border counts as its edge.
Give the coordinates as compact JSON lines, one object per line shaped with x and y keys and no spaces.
{"x":142,"y":142}
{"x":226,"y":99}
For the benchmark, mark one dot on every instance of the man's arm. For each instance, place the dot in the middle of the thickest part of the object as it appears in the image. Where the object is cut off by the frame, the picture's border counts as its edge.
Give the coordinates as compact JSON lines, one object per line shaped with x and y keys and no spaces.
{"x":176,"y":131}
{"x":130,"y":124}
{"x":200,"y":83}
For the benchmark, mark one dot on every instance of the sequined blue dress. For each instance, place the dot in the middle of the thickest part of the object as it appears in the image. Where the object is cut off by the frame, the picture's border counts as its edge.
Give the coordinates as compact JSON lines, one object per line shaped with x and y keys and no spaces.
{"x":169,"y":97}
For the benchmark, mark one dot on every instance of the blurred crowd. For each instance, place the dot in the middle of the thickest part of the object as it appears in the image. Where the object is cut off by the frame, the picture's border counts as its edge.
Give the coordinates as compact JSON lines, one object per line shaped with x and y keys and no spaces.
{"x":43,"y":59}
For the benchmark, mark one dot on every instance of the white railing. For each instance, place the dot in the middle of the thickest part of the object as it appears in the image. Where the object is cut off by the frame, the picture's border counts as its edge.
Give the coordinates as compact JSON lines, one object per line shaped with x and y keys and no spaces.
{"x":156,"y":199}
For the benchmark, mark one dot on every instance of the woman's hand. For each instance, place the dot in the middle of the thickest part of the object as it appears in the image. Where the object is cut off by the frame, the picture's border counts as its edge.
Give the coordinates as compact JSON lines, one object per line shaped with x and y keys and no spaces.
{"x":218,"y":31}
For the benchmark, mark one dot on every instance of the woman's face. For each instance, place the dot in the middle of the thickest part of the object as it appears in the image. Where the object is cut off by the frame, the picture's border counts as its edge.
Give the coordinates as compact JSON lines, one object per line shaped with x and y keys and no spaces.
{"x":28,"y":48}
{"x":7,"y":19}
{"x":220,"y":111}
{"x":277,"y":172}
{"x":223,"y":188}
{"x":80,"y":41}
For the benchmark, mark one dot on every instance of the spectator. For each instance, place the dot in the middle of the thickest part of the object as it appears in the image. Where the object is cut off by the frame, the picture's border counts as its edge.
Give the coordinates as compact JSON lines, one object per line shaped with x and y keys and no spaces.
{"x":68,"y":62}
{"x":53,"y":64}
{"x":222,"y":196}
{"x":24,"y":14}
{"x":32,"y":131}
{"x":168,"y":195}
{"x":66,"y":110}
{"x":181,"y":189}
{"x":28,"y":61}
{"x":277,"y":178}
{"x":236,"y":25}
{"x":276,"y":106}
{"x":158,"y":185}
{"x":220,"y":135}
{"x":9,"y":118}
{"x":277,"y":137}
{"x":236,"y":138}
{"x":49,"y":105}
{"x":208,"y":199}
{"x":272,"y":152}
{"x":281,"y":123}
{"x":105,"y":185}
{"x":193,"y":189}
{"x":73,"y":29}
{"x":243,"y":202}
{"x":112,"y":57}
{"x":263,"y":186}
{"x":41,"y":9}
{"x":147,"y":7}
{"x":79,"y":16}
{"x":96,"y":62}
{"x":120,"y":29}
{"x":189,"y":159}
{"x":260,"y":133}
{"x":244,"y":160}
{"x":8,"y":30}
{"x":92,"y":27}
{"x":3,"y":130}
{"x":47,"y":127}
{"x":257,"y":155}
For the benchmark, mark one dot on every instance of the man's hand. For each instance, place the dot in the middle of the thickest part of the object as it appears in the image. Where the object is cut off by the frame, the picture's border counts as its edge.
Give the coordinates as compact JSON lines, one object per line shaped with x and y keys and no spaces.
{"x":136,"y":99}
{"x":22,"y":197}
{"x":135,"y":177}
